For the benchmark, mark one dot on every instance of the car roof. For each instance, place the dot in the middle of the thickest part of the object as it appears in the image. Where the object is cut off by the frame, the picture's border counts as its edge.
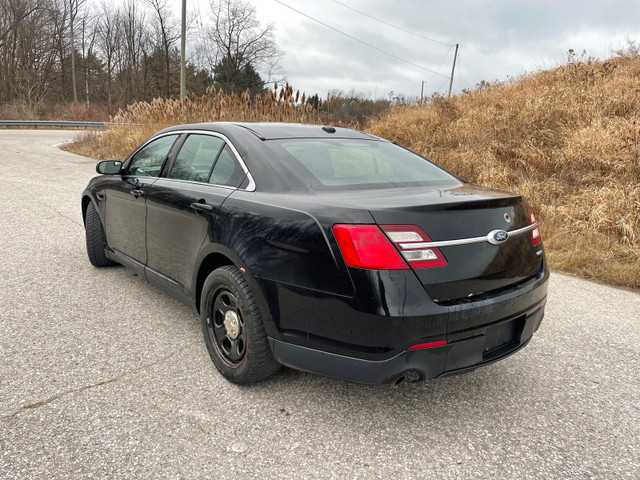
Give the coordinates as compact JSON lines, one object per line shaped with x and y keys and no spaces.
{"x":278,"y":130}
{"x":266,"y":167}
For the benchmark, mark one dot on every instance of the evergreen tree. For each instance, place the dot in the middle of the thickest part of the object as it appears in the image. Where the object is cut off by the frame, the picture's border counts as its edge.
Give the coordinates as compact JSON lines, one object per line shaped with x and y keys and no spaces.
{"x":236,"y":77}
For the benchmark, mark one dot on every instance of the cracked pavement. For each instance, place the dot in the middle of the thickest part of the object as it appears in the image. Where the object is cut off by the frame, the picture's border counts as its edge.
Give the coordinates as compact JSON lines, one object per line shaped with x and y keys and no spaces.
{"x":102,"y":375}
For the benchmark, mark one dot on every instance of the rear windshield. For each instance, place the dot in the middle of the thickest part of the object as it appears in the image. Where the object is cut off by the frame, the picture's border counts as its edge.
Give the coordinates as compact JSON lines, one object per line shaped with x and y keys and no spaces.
{"x":330,"y":164}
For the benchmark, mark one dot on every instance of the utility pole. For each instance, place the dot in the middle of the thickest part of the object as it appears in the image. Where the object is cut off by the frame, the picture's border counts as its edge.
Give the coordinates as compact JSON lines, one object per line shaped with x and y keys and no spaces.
{"x":453,"y":69}
{"x":183,"y":70}
{"x":422,"y":91}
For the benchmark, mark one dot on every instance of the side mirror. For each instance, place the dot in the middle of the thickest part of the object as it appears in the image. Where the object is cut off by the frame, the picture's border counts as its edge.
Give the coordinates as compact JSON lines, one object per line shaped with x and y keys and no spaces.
{"x":109,"y":167}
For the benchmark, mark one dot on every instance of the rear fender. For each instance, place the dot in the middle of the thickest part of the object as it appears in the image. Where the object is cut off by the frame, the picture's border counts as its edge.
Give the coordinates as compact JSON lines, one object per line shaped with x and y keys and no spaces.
{"x":256,"y":287}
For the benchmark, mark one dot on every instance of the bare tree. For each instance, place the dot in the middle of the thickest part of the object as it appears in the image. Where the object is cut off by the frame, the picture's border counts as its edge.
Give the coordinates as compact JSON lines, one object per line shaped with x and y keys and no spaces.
{"x":17,"y":40}
{"x":74,"y":9}
{"x":125,"y":51}
{"x":169,"y":34}
{"x":58,"y":12}
{"x":23,"y":10}
{"x":109,"y":31}
{"x":88,"y":40}
{"x":135,"y":35}
{"x":241,"y":40}
{"x":33,"y":58}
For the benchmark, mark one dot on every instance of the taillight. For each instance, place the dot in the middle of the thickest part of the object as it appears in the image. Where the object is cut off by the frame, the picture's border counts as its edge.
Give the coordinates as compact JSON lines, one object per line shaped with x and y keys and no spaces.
{"x":536,"y":238}
{"x":365,"y":246}
{"x":413,"y":244}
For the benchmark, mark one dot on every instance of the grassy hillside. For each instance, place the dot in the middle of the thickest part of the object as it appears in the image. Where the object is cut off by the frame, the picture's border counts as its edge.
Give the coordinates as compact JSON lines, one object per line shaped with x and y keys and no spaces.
{"x":567,"y":138}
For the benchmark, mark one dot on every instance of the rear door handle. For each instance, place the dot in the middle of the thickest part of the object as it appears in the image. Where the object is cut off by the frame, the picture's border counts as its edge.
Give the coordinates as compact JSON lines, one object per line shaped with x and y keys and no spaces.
{"x":202,"y":207}
{"x":137,"y":192}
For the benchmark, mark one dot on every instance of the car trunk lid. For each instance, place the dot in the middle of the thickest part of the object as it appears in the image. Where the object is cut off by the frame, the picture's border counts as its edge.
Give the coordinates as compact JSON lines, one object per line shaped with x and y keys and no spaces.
{"x":470,"y":214}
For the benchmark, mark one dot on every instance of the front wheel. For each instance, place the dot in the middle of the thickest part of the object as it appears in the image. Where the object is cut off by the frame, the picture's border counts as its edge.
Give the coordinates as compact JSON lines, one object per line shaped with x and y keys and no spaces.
{"x":233,"y":329}
{"x":96,"y":238}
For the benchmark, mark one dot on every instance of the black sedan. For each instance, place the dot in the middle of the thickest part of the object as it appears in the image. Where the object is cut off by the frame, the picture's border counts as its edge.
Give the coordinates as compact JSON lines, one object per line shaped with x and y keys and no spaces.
{"x":324,"y":249}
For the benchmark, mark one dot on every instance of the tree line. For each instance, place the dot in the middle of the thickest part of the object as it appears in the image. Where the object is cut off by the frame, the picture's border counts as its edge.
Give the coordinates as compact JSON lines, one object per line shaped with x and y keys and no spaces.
{"x":102,"y":55}
{"x":113,"y":53}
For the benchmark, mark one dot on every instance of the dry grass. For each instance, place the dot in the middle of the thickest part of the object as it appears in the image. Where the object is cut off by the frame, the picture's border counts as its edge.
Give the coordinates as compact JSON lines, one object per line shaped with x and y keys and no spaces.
{"x":568,"y":139}
{"x":53,"y":111}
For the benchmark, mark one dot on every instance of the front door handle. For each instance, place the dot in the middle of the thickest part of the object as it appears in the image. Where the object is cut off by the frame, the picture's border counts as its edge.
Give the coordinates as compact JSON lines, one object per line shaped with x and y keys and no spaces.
{"x":202,"y":207}
{"x":137,"y":192}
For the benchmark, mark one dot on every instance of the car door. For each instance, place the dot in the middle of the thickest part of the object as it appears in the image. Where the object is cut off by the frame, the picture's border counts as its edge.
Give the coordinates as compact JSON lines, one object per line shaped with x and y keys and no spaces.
{"x":125,"y":205}
{"x":182,"y":207}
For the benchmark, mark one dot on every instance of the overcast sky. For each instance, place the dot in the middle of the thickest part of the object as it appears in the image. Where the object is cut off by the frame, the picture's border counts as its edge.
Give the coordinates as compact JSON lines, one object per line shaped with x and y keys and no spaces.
{"x":498,"y":39}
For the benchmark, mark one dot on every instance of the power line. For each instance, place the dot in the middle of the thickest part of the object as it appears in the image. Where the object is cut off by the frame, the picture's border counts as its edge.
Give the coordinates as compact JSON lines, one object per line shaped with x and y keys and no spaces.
{"x":361,"y":41}
{"x":443,"y":85}
{"x":441,"y":64}
{"x":391,"y":24}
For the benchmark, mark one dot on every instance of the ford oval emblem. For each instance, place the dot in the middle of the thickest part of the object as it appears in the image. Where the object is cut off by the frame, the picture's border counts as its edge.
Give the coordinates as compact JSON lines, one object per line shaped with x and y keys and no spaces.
{"x":496,"y":237}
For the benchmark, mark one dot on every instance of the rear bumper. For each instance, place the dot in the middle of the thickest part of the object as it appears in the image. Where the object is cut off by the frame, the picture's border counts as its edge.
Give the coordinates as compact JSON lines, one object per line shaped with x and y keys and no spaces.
{"x":390,"y":313}
{"x":478,"y":347}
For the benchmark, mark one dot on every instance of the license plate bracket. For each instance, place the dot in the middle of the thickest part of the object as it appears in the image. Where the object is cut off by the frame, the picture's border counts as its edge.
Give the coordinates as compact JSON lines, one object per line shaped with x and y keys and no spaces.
{"x":499,"y":336}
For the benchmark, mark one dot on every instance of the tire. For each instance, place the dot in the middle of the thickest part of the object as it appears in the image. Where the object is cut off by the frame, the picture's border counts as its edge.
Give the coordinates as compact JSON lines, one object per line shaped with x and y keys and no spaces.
{"x":96,"y":239}
{"x":233,"y":329}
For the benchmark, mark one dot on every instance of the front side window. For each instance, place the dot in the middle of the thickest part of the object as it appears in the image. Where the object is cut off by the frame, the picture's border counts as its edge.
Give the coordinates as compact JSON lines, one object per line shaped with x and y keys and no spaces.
{"x":227,"y":171}
{"x":148,"y":161}
{"x":196,"y":157}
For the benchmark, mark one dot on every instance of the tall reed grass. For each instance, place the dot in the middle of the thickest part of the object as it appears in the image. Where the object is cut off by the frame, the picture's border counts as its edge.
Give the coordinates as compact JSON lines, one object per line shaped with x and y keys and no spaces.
{"x":140,"y":120}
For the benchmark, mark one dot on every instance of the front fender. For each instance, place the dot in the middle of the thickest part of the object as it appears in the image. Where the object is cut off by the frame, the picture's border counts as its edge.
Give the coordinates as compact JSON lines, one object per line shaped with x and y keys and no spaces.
{"x":88,"y":197}
{"x":95,"y":192}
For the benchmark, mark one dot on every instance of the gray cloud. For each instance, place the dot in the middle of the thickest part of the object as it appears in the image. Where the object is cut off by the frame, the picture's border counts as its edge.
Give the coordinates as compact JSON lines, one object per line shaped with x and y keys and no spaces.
{"x":498,"y":38}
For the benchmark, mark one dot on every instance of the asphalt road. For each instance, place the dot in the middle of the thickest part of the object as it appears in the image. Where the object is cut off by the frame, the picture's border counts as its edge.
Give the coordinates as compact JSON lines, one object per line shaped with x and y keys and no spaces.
{"x":103,"y":376}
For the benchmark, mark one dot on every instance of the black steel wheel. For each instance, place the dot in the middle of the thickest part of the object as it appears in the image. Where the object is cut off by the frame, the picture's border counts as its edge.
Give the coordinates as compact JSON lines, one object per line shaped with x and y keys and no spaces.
{"x":233,"y":329}
{"x":226,"y":327}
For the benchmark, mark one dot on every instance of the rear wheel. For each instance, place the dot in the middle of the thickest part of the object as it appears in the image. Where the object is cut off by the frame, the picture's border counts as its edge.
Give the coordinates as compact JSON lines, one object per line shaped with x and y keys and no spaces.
{"x":233,"y":329}
{"x":96,"y":238}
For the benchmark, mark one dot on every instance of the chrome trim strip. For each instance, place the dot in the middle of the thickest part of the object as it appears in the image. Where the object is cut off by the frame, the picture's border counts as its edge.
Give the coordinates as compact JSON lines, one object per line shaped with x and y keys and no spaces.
{"x":252,"y":185}
{"x":523,"y":230}
{"x":463,"y":241}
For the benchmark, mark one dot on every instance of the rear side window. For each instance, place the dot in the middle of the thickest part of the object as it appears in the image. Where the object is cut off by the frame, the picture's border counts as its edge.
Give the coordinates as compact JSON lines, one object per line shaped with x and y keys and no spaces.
{"x":346,"y":163}
{"x":148,"y":161}
{"x":196,"y":157}
{"x":227,"y":171}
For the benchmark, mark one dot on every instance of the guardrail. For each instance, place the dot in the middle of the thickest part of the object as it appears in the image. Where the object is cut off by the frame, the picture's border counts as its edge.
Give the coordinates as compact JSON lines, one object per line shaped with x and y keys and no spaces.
{"x":51,"y":124}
